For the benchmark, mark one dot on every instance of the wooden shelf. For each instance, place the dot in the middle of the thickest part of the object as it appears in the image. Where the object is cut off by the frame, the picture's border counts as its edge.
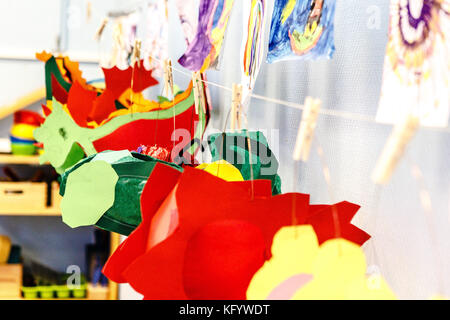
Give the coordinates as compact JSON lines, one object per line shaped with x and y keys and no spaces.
{"x":6,"y":158}
{"x":92,"y":293}
{"x":28,"y":199}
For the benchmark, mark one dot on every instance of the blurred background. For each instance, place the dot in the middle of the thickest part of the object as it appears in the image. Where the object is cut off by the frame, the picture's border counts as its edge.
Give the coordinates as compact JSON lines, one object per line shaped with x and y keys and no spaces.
{"x":408,"y":247}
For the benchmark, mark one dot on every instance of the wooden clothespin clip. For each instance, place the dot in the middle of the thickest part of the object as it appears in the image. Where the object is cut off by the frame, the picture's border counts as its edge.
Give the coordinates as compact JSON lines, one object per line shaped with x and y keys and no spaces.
{"x":100,"y":29}
{"x":88,"y":11}
{"x":236,"y":104}
{"x":394,"y":148}
{"x":306,"y":129}
{"x":136,"y":57}
{"x":198,"y":92}
{"x":168,"y":77}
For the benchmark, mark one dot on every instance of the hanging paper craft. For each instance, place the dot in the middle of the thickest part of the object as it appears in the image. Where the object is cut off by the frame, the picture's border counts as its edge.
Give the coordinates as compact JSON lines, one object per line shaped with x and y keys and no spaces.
{"x":104,"y":190}
{"x":301,"y":29}
{"x":233,"y":147}
{"x":300,"y":269}
{"x":90,"y":193}
{"x":157,"y":199}
{"x":88,"y":105}
{"x":416,"y":66}
{"x":91,"y":122}
{"x":203,"y":52}
{"x":192,"y":250}
{"x":252,"y":44}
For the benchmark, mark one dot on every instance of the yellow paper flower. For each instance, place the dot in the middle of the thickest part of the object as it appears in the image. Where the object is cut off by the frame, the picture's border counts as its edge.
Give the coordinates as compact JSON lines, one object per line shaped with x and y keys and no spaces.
{"x":300,"y":269}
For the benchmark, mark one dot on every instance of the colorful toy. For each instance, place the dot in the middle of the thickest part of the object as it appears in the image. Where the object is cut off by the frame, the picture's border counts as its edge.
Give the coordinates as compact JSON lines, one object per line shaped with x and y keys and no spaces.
{"x":21,"y":135}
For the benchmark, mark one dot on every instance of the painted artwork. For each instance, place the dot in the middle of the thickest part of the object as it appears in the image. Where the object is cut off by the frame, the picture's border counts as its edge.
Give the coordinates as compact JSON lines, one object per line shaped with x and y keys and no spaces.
{"x":203,"y":52}
{"x":416,"y":67}
{"x":301,"y":29}
{"x":252,"y":43}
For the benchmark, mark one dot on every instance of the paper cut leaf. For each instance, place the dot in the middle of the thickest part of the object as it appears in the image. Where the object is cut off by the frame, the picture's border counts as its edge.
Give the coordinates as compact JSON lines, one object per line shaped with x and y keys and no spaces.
{"x":133,"y":171}
{"x":89,"y":194}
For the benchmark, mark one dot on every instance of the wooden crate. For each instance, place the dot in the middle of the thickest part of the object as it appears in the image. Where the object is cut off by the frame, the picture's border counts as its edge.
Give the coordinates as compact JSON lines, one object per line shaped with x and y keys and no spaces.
{"x":28,"y":198}
{"x":97,"y":292}
{"x":10,"y":281}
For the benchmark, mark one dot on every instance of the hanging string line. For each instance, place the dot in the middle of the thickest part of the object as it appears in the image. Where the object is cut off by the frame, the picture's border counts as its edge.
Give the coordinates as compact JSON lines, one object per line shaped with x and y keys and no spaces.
{"x":328,"y":112}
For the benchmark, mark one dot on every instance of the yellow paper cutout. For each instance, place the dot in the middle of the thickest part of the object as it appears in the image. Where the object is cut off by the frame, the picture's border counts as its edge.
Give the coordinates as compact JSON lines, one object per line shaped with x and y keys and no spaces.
{"x":223,"y":170}
{"x":335,"y":270}
{"x":339,"y":274}
{"x":293,"y":252}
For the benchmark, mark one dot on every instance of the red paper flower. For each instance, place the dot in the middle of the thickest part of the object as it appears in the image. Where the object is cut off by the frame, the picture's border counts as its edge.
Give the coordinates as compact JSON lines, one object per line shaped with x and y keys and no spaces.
{"x":209,"y":242}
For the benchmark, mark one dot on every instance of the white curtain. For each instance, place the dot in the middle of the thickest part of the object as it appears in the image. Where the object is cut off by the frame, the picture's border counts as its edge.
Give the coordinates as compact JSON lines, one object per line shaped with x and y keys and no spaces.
{"x":404,"y":248}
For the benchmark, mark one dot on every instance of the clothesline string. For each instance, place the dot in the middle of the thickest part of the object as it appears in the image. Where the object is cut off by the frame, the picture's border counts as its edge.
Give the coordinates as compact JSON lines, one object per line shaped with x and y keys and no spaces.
{"x":328,"y":112}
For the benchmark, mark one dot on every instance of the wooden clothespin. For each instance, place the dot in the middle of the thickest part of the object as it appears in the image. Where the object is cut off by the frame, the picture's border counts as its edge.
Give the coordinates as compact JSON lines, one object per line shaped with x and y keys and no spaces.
{"x":136,"y":57}
{"x":236,"y":106}
{"x":199,"y":96}
{"x":88,"y":11}
{"x":394,"y":148}
{"x":306,"y":129}
{"x":168,"y":77}
{"x":101,"y":28}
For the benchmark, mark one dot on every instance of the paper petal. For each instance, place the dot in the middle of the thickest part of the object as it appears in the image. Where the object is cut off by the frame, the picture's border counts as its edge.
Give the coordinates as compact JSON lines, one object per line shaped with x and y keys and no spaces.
{"x":89,"y":194}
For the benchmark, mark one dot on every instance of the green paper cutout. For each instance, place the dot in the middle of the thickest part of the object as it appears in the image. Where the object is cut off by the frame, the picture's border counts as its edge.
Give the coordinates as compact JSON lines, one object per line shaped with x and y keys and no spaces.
{"x":233,"y":147}
{"x":133,"y":171}
{"x":59,"y":132}
{"x":112,"y":156}
{"x":90,"y":192}
{"x":51,"y":67}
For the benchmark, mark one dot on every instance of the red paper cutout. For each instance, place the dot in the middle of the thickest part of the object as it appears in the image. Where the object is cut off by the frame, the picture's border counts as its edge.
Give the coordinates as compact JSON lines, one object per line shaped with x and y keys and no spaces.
{"x":116,"y":82}
{"x":80,"y":102}
{"x":58,"y":92}
{"x":46,"y":110}
{"x":203,"y":258}
{"x":321,"y":218}
{"x":221,"y":259}
{"x":149,"y":132}
{"x":159,"y":185}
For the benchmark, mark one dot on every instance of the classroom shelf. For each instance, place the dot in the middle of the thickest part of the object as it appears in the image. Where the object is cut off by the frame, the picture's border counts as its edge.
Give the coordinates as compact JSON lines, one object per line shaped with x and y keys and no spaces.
{"x":6,"y":158}
{"x":30,"y":199}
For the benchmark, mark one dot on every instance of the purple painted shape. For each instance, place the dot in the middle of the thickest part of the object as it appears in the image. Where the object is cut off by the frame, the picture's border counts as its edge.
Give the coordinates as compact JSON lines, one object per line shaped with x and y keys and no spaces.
{"x":286,"y":289}
{"x":425,"y":16}
{"x":201,"y":46}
